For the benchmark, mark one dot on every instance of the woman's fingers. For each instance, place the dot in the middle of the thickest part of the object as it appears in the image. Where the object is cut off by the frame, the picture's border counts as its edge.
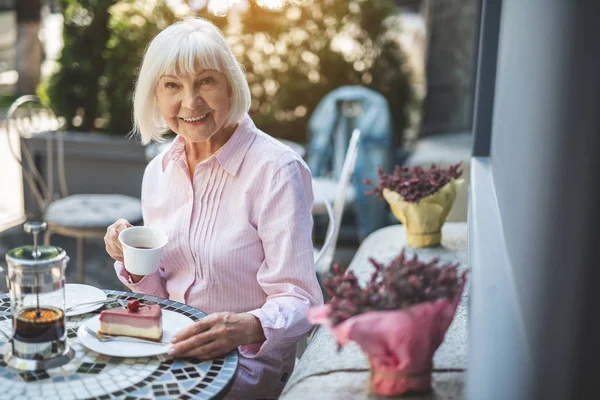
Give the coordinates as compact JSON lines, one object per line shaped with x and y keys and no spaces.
{"x":193,"y":330}
{"x":115,"y":252}
{"x":111,"y":238}
{"x":118,"y":227}
{"x":192,"y":344}
{"x":203,"y":338}
{"x":210,"y":350}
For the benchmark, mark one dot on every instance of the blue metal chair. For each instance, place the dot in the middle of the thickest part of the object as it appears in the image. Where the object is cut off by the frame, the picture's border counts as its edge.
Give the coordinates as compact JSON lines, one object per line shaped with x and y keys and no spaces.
{"x":329,"y":130}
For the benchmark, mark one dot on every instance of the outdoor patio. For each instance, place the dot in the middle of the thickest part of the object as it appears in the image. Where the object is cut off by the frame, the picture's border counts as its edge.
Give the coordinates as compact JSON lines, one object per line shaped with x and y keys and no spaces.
{"x":508,"y":88}
{"x":386,"y":110}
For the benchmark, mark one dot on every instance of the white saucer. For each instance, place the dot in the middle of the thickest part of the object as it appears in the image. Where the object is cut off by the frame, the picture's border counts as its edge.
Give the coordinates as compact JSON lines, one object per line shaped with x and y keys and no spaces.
{"x":74,"y":294}
{"x":172,"y":323}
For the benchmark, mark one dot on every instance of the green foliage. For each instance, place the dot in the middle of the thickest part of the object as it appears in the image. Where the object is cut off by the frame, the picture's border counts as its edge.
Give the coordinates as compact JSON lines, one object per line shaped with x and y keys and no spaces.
{"x":73,"y":89}
{"x":132,"y":27}
{"x":6,"y":100}
{"x":293,"y":57}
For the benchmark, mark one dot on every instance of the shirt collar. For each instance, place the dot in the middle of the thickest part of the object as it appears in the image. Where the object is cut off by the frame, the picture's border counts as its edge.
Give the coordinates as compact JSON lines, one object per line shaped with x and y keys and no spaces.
{"x":175,"y":152}
{"x":234,"y":151}
{"x":230,"y":156}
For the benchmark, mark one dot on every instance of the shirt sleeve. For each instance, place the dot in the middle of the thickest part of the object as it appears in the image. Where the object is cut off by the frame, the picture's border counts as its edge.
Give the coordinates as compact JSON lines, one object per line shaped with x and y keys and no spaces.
{"x":287,"y":274}
{"x":152,"y":284}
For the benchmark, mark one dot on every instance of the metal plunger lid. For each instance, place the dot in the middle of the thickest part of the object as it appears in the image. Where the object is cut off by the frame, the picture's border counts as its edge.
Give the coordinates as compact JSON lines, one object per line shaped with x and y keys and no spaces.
{"x":34,"y":257}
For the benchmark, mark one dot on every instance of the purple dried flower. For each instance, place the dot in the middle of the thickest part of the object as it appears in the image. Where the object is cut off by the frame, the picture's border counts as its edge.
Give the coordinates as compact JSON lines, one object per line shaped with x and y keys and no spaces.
{"x":404,"y":282}
{"x":413,"y":184}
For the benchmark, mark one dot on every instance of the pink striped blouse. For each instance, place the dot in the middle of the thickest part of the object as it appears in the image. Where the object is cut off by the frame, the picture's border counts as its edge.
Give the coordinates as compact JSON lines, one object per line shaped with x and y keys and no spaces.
{"x":239,"y":240}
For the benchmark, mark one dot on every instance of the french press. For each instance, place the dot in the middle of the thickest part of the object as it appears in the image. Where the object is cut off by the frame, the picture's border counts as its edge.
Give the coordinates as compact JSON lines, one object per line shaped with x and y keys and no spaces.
{"x":36,"y":281}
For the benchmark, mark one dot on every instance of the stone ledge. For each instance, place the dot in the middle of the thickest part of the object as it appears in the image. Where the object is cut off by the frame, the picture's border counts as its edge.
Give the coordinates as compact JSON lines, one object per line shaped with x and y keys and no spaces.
{"x":322,"y":362}
{"x":355,"y":385}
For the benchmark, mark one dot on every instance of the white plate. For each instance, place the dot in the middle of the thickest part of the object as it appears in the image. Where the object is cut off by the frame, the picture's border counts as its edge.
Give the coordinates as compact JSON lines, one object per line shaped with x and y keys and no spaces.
{"x":172,"y":323}
{"x":74,"y":294}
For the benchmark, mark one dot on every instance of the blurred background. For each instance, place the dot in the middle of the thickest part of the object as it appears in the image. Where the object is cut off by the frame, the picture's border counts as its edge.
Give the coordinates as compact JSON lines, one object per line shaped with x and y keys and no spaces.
{"x":81,"y":57}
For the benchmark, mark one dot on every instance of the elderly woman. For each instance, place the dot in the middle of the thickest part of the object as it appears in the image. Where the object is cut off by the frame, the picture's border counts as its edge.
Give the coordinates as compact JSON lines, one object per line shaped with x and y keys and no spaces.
{"x":235,"y":204}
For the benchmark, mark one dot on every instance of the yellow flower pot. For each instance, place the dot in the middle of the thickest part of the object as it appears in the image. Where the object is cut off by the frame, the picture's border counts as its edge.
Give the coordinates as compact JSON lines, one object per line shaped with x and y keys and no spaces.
{"x":423,"y":219}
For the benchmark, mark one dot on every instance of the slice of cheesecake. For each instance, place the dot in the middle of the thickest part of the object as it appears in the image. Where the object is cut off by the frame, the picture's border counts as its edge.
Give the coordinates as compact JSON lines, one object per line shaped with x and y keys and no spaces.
{"x":144,"y":322}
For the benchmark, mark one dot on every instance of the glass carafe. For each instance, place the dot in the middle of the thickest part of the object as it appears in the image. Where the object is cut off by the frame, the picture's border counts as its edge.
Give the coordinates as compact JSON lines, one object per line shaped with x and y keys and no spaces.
{"x":35,"y":278}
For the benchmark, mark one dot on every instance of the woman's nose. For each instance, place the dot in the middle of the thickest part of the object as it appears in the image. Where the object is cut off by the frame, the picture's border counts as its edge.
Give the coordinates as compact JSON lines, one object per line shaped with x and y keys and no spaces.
{"x":192,"y":100}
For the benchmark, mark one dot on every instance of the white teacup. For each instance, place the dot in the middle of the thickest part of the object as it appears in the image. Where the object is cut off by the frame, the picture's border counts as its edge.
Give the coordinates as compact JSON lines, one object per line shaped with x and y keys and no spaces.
{"x":142,"y":248}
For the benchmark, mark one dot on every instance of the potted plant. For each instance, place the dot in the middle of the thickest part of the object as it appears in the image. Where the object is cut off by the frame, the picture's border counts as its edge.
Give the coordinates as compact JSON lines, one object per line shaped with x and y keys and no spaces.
{"x":420,"y":199}
{"x":399,"y":318}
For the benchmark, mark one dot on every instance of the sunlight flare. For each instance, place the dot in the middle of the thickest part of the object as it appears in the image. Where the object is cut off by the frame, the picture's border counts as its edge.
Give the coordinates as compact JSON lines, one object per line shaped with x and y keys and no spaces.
{"x":271,"y":4}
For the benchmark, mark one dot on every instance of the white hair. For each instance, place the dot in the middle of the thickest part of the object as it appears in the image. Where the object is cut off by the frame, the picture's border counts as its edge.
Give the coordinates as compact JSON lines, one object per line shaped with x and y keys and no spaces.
{"x":182,"y":48}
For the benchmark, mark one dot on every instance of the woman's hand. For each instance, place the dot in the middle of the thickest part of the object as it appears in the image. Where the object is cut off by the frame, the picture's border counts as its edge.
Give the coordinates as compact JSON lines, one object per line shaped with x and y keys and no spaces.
{"x":111,"y":239}
{"x":216,"y":335}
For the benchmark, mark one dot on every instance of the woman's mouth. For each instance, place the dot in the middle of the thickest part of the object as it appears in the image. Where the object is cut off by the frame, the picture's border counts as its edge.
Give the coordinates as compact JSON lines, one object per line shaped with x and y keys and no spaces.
{"x":197,"y":119}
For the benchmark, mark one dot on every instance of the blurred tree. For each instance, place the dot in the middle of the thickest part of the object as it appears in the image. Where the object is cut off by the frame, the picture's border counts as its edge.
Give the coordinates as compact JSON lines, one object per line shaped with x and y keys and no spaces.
{"x":132,"y":26}
{"x":73,"y":91}
{"x":29,"y":48}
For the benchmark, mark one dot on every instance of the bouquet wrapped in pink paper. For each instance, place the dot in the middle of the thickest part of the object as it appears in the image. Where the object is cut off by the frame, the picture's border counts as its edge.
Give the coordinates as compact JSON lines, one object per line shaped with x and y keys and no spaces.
{"x":420,"y":199}
{"x":399,"y":319}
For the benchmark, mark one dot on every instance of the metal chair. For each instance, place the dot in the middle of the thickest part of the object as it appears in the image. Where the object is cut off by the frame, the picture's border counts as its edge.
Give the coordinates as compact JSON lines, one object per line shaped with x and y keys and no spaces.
{"x":78,"y":216}
{"x":329,"y":129}
{"x":325,"y":256}
{"x":331,"y":231}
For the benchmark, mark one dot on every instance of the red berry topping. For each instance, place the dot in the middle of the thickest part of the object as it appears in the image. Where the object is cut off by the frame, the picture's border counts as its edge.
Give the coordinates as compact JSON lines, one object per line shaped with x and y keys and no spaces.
{"x":133,"y":305}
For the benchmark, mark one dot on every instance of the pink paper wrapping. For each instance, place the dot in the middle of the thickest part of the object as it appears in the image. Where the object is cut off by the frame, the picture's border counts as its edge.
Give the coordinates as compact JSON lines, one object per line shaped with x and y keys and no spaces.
{"x":399,"y":344}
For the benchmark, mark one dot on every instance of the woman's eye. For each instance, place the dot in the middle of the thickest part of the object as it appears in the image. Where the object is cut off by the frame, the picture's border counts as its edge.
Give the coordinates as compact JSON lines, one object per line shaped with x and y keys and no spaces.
{"x":209,"y":80}
{"x":170,"y":85}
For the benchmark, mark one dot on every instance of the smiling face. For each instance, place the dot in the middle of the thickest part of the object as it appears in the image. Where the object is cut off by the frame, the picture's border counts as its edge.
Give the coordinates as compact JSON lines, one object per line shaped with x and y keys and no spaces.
{"x":194,"y":105}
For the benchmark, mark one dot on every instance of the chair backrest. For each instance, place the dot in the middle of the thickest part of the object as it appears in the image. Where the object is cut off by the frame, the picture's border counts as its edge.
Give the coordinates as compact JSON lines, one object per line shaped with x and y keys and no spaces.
{"x":324,"y":262}
{"x":28,"y":117}
{"x":330,"y":232}
{"x":329,"y":132}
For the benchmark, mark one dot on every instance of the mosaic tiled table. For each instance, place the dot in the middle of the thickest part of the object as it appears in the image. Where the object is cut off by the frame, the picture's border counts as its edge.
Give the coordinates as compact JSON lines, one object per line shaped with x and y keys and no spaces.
{"x":94,"y":376}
